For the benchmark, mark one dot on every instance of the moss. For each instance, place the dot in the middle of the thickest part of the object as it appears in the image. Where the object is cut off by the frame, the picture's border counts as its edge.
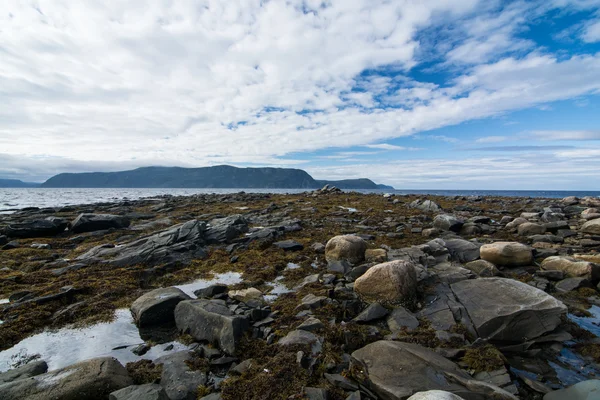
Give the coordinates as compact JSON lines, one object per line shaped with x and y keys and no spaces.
{"x":198,"y":364}
{"x":591,"y":350}
{"x":484,"y":358}
{"x":202,"y":391}
{"x":144,"y":371}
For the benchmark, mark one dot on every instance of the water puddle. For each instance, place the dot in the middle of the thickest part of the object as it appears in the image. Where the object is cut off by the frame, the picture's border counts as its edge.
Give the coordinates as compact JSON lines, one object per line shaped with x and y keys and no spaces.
{"x":349,"y":209}
{"x":571,"y":369}
{"x":592,"y":323}
{"x":227,"y":278}
{"x":278,"y":289}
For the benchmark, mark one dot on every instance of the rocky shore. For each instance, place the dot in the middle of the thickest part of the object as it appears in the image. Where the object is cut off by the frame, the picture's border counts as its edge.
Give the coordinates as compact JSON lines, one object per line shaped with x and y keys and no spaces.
{"x":340,"y":296}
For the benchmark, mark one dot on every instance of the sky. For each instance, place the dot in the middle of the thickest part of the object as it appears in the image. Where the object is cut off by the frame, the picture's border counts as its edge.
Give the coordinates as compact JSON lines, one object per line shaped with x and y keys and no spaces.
{"x":417,"y":94}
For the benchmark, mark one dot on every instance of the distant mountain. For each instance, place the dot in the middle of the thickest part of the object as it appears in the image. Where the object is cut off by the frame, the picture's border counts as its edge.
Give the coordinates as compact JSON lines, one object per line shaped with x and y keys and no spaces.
{"x":222,"y":176}
{"x":15,"y":183}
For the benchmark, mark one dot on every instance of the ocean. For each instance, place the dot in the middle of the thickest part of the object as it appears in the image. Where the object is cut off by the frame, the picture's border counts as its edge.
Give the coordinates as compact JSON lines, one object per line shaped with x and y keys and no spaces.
{"x":14,"y":199}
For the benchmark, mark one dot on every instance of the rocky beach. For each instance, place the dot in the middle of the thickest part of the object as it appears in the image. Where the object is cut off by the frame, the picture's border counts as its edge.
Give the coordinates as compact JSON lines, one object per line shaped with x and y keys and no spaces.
{"x":319,"y":295}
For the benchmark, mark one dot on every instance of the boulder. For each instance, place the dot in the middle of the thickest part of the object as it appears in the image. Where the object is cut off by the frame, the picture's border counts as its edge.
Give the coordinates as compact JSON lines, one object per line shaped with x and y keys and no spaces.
{"x":303,"y":338}
{"x":210,"y":321}
{"x":149,"y":391}
{"x":570,"y":284}
{"x":373,"y":312}
{"x":572,"y":267}
{"x":398,"y":370}
{"x":482,"y":268}
{"x":530,"y":228}
{"x":462,"y":250}
{"x":348,"y":248}
{"x":289,"y":245}
{"x":435,"y":395}
{"x":157,"y":307}
{"x":247,"y":295}
{"x":91,"y":380}
{"x":506,"y":310}
{"x":586,"y":390}
{"x":425,"y":205}
{"x":376,"y":255}
{"x":50,"y":226}
{"x":447,"y":222}
{"x":33,"y":368}
{"x":390,"y":282}
{"x":514,"y":224}
{"x":98,"y":222}
{"x":179,"y":381}
{"x":224,"y":230}
{"x":400,"y":318}
{"x":507,"y":254}
{"x":592,"y":227}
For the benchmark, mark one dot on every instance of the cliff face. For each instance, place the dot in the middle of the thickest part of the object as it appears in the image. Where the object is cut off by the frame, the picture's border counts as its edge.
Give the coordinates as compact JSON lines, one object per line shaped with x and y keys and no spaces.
{"x":222,"y":176}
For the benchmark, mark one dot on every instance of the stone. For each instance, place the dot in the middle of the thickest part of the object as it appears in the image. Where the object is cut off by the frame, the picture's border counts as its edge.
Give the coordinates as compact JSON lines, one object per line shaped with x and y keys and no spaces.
{"x":425,"y":205}
{"x":247,"y":295}
{"x":373,"y":312}
{"x":400,"y":318}
{"x":311,"y":393}
{"x":398,"y":370}
{"x":301,"y":337}
{"x":50,"y":226}
{"x":376,"y":255}
{"x":348,"y":248}
{"x":179,"y":381}
{"x":311,"y":301}
{"x":210,"y":321}
{"x":435,"y":395}
{"x":507,"y":254}
{"x":98,"y":222}
{"x":211,"y":291}
{"x":311,"y":324}
{"x":530,"y":228}
{"x":506,"y":310}
{"x":445,"y":222}
{"x":450,"y":273}
{"x":157,"y":307}
{"x":514,"y":224}
{"x":391,"y":282}
{"x":482,"y":268}
{"x":289,"y":245}
{"x":319,"y":248}
{"x":91,"y":380}
{"x":572,"y":267}
{"x":586,"y":390}
{"x":570,"y":284}
{"x":149,"y":391}
{"x":592,"y":227}
{"x":462,"y":250}
{"x":28,"y":370}
{"x":224,"y":230}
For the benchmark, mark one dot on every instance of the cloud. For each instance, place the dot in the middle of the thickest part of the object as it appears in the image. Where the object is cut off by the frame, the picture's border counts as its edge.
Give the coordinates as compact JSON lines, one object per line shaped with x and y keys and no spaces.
{"x":565,"y":135}
{"x":491,"y":139}
{"x":591,"y":32}
{"x":518,"y":148}
{"x":386,"y":146}
{"x":438,"y":138}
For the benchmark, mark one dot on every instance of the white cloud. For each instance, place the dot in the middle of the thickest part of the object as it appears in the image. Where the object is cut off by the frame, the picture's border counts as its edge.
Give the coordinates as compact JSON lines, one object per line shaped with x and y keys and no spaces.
{"x":491,"y":139}
{"x":591,"y":32}
{"x":565,"y":135}
{"x":386,"y":146}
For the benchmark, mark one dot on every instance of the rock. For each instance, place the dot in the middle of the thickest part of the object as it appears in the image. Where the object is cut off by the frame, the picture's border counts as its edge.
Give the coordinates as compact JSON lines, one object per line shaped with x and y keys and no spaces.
{"x":319,"y":248}
{"x":157,"y":307}
{"x":592,"y":227}
{"x":289,"y":245}
{"x":375,"y":255}
{"x":507,"y":254}
{"x":482,"y":268}
{"x":391,"y":282}
{"x":447,"y":222}
{"x":570,"y":284}
{"x":211,"y":291}
{"x":462,"y":250}
{"x":425,"y":205}
{"x":506,"y":310}
{"x":91,"y":380}
{"x":572,"y":267}
{"x":149,"y":391}
{"x":301,"y":337}
{"x":33,"y":368}
{"x":556,"y":226}
{"x":98,"y":222}
{"x":50,"y":226}
{"x":210,"y":321}
{"x":311,"y":324}
{"x":400,"y":318}
{"x":373,"y":312}
{"x":514,"y":224}
{"x":450,"y":273}
{"x":552,"y":275}
{"x":3,"y":240}
{"x":341,"y":381}
{"x":348,"y":248}
{"x":247,"y":295}
{"x":311,"y":301}
{"x":178,"y":379}
{"x":311,"y":393}
{"x":586,"y":390}
{"x":397,"y":370}
{"x":224,"y":230}
{"x":530,"y":228}
{"x":435,"y":395}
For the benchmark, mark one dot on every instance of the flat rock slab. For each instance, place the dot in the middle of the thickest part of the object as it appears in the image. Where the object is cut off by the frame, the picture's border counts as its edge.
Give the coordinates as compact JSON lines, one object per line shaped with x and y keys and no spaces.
{"x":149,"y":391}
{"x":289,"y":245}
{"x":98,"y":222}
{"x":179,"y":381}
{"x":91,"y":380}
{"x":157,"y":307}
{"x":26,"y":371}
{"x":50,"y":226}
{"x":507,"y":310}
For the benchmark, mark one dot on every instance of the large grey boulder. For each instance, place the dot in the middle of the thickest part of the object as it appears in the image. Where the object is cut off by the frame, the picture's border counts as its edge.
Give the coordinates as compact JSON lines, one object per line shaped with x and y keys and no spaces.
{"x":390,"y":282}
{"x":179,"y":243}
{"x":446,"y":222}
{"x":592,"y":227}
{"x":210,"y":321}
{"x":157,"y":307}
{"x":179,"y":381}
{"x":398,"y":370}
{"x":224,"y":230}
{"x":348,"y":248}
{"x":50,"y":226}
{"x":91,"y":380}
{"x":435,"y":395}
{"x":26,"y":371}
{"x":506,"y":310}
{"x":98,"y":222}
{"x":507,"y":254}
{"x":462,"y":250}
{"x":149,"y":391}
{"x":425,"y":205}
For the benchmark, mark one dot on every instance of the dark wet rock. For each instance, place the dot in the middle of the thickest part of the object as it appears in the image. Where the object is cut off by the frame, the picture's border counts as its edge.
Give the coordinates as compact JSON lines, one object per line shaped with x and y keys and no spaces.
{"x":373,"y":312}
{"x":224,"y":230}
{"x":33,"y":368}
{"x":462,"y":250}
{"x":94,"y":380}
{"x":311,"y":393}
{"x":212,"y":322}
{"x":482,"y":268}
{"x":178,"y":379}
{"x":179,"y":243}
{"x":341,"y":381}
{"x":289,"y":245}
{"x":98,"y":222}
{"x":311,"y":301}
{"x":355,"y":396}
{"x":339,"y":267}
{"x":211,"y":291}
{"x":350,"y":248}
{"x":507,"y":254}
{"x":392,"y":282}
{"x":157,"y":307}
{"x":570,"y":284}
{"x":400,"y":318}
{"x":21,"y":295}
{"x":311,"y":324}
{"x":507,"y":310}
{"x":556,"y":226}
{"x":445,"y":222}
{"x":553,"y":275}
{"x":397,"y":370}
{"x":50,"y":226}
{"x":149,"y":391}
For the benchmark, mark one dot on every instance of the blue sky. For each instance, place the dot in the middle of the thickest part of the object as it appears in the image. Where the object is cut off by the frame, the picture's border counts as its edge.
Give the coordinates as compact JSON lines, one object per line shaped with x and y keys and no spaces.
{"x":416,"y":94}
